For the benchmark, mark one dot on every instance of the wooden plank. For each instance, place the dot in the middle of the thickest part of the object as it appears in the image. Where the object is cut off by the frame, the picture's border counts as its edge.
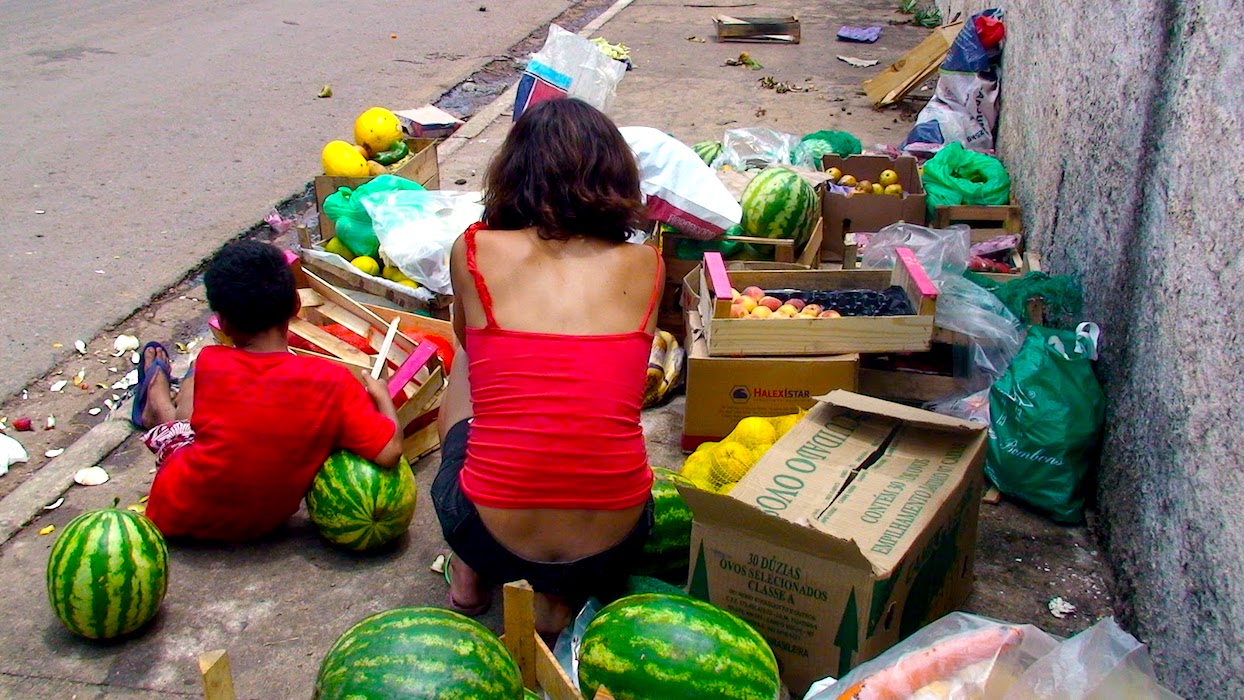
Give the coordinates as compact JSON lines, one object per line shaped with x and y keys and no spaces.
{"x":520,"y":629}
{"x":758,"y":29}
{"x":217,"y":678}
{"x":328,"y":342}
{"x":423,"y":399}
{"x":893,"y":83}
{"x":819,"y":336}
{"x":336,"y":314}
{"x":898,"y":385}
{"x":910,"y":275}
{"x":422,"y":442}
{"x":550,"y":675}
{"x":408,"y":322}
{"x":602,"y":693}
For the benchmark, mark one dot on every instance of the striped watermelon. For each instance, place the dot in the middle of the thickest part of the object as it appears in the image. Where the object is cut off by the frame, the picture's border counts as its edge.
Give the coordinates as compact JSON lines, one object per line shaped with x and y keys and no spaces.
{"x":664,"y":646}
{"x":707,"y":151}
{"x":778,"y":203}
{"x":418,"y":653}
{"x":667,"y":553}
{"x":107,"y":573}
{"x":358,"y":505}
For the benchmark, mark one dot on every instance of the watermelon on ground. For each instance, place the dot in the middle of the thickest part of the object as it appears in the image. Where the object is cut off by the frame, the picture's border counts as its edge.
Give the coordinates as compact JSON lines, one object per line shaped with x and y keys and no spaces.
{"x":778,"y":203}
{"x":667,"y":646}
{"x":107,"y":573}
{"x":707,"y":151}
{"x":424,"y":652}
{"x":667,"y":553}
{"x":358,"y":505}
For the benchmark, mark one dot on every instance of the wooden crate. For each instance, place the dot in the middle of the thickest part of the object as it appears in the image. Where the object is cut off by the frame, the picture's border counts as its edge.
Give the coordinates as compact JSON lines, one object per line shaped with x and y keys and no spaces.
{"x":421,"y":166}
{"x":988,"y":222}
{"x":782,"y":30}
{"x":816,"y":336}
{"x":412,"y":370}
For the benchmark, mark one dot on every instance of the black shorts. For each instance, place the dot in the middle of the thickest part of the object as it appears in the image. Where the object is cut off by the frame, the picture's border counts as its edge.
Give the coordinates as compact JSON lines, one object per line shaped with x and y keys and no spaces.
{"x":602,"y":575}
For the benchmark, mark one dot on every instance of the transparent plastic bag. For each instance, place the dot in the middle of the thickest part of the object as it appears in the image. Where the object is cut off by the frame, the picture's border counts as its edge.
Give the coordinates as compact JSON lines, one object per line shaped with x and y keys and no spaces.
{"x":417,"y":229}
{"x":568,"y":66}
{"x":994,"y":334}
{"x":968,"y":657}
{"x":973,"y":407}
{"x":942,"y":252}
{"x":566,"y":650}
{"x":756,"y":148}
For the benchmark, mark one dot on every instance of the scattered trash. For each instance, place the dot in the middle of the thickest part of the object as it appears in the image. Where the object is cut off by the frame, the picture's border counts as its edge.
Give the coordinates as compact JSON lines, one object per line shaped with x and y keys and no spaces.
{"x":862,"y":35}
{"x":438,"y":564}
{"x":22,"y":425}
{"x":857,"y":62}
{"x":181,"y":347}
{"x":392,"y":36}
{"x":95,"y":411}
{"x":143,"y":499}
{"x":58,"y":345}
{"x":53,"y":454}
{"x":40,"y":211}
{"x":278,"y":223}
{"x":91,"y":476}
{"x":80,"y":378}
{"x":58,"y":385}
{"x":696,"y":39}
{"x":51,"y":424}
{"x":770,"y":83}
{"x":1060,"y":608}
{"x":618,"y":52}
{"x":47,"y":530}
{"x":80,"y":347}
{"x":744,"y":59}
{"x":135,"y":358}
{"x":137,"y":508}
{"x":129,"y":380}
{"x":11,"y":452}
{"x":55,"y":504}
{"x":325,"y":91}
{"x":124,"y":344}
{"x":781,"y":30}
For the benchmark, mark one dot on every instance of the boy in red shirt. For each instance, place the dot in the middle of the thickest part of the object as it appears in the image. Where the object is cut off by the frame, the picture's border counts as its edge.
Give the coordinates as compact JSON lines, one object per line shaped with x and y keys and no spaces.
{"x":239,"y":445}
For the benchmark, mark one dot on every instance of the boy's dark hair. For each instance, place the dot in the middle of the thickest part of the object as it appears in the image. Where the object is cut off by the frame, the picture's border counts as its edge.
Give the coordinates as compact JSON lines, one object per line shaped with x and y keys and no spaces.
{"x":565,"y":170}
{"x":250,"y":285}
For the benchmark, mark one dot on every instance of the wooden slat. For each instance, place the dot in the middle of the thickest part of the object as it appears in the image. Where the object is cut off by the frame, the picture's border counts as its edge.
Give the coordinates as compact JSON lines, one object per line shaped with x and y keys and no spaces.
{"x":897,"y":385}
{"x":520,"y":629}
{"x":551,"y":676}
{"x":336,"y":314}
{"x":353,"y":367}
{"x":420,"y":443}
{"x":893,"y":83}
{"x":910,"y":275}
{"x":217,"y":678}
{"x":328,"y":342}
{"x":819,"y":336}
{"x":759,"y":29}
{"x":414,"y":322}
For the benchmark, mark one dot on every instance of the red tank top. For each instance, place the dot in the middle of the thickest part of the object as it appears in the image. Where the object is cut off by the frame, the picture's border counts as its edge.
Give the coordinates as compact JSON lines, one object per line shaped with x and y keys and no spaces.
{"x":556,"y":416}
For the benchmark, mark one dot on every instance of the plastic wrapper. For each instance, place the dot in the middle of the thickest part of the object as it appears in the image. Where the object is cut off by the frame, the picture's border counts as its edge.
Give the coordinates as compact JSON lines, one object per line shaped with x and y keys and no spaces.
{"x":967,"y":657}
{"x":756,"y":148}
{"x":679,"y":189}
{"x":568,"y":66}
{"x":942,"y":252}
{"x":994,"y":334}
{"x":417,"y":229}
{"x":973,"y":407}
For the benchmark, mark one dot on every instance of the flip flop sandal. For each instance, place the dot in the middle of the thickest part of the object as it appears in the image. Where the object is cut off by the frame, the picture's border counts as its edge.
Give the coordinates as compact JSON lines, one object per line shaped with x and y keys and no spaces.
{"x":145,"y":373}
{"x":469,"y":611}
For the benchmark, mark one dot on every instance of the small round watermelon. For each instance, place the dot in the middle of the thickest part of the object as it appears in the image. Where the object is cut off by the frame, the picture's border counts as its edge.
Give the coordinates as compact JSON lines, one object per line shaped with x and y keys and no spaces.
{"x":358,"y":505}
{"x":778,"y":203}
{"x":707,"y":151}
{"x":667,"y":553}
{"x":654,"y":645}
{"x":107,"y":573}
{"x":425,"y":652}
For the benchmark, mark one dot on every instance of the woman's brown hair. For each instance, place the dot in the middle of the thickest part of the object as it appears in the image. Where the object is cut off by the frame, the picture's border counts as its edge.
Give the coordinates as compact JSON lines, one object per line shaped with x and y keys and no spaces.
{"x":565,"y":170}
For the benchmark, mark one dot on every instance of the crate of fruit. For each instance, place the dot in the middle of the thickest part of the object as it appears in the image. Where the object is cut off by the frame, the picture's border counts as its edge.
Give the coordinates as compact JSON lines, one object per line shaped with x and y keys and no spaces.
{"x":420,"y":164}
{"x":866,"y":194}
{"x":998,"y":249}
{"x":817,"y":312}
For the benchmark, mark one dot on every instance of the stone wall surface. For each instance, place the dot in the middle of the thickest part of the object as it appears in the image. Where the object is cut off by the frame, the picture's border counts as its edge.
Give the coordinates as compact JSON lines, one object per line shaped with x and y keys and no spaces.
{"x":1123,"y":127}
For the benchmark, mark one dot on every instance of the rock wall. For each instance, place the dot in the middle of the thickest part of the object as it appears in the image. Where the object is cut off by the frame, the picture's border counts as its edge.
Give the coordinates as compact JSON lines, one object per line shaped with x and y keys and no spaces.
{"x":1123,"y":127}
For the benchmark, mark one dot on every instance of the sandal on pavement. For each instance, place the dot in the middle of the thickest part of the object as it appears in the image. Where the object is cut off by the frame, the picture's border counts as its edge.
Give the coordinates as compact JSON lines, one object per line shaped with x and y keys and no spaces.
{"x":145,"y":373}
{"x":469,"y":611}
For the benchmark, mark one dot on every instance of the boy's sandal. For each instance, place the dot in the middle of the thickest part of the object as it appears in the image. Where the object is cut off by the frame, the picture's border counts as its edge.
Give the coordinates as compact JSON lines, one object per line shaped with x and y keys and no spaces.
{"x":145,"y":373}
{"x":469,"y":611}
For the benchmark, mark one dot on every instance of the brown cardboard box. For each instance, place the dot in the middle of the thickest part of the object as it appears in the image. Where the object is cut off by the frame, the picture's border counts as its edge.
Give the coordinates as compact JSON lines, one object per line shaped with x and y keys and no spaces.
{"x":869,"y":212}
{"x":721,"y":391}
{"x":854,"y":530}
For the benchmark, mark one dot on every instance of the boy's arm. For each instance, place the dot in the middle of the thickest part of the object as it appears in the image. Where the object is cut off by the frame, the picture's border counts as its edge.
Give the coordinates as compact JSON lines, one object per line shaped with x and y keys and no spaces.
{"x":379,"y":393}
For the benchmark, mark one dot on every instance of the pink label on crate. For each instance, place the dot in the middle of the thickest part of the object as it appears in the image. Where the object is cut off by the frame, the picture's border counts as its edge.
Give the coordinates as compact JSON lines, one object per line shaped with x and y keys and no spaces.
{"x":715,"y":266}
{"x":908,"y":259}
{"x":414,"y":362}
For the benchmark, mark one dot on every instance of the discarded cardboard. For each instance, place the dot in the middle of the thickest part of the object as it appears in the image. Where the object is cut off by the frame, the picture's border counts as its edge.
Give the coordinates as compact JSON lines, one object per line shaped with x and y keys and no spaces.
{"x":915,"y":67}
{"x":721,"y":391}
{"x":854,"y":530}
{"x":869,"y":213}
{"x":428,"y":122}
{"x":782,"y":30}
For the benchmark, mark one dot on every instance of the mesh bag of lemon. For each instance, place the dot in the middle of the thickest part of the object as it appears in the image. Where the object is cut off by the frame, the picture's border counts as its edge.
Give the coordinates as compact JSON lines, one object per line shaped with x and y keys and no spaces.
{"x":718,"y":466}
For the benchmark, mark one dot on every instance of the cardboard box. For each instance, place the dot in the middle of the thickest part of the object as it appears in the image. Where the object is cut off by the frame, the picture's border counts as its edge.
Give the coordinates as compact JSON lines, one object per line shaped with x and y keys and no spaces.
{"x":854,"y":530}
{"x":721,"y":391}
{"x":428,"y":122}
{"x":869,"y":213}
{"x":728,"y":336}
{"x":421,"y":166}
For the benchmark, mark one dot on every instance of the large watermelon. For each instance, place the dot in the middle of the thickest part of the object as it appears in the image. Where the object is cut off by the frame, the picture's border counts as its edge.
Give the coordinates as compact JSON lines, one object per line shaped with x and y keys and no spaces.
{"x":707,"y":151}
{"x":358,"y":505}
{"x":409,"y":653}
{"x":107,"y":573}
{"x":778,"y":203}
{"x":667,"y":553}
{"x":666,"y":646}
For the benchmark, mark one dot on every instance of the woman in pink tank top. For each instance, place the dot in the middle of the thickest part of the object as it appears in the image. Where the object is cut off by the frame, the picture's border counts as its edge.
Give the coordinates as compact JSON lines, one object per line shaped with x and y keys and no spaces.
{"x":544,"y":474}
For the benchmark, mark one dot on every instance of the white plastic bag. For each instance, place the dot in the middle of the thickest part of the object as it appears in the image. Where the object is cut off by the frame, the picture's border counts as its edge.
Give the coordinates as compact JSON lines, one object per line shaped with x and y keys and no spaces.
{"x":568,"y":66}
{"x":679,"y":189}
{"x":11,"y":452}
{"x":417,"y":230}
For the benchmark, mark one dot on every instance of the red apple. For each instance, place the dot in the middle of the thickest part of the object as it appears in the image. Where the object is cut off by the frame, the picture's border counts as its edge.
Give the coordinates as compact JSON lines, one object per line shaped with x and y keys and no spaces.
{"x":797,"y":303}
{"x":830,"y":314}
{"x":737,"y":311}
{"x":754,"y":292}
{"x":773,"y":303}
{"x":813,"y":309}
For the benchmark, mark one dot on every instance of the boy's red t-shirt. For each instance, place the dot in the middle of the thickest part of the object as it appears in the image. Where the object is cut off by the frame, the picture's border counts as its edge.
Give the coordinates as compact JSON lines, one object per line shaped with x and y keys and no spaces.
{"x":263,"y":425}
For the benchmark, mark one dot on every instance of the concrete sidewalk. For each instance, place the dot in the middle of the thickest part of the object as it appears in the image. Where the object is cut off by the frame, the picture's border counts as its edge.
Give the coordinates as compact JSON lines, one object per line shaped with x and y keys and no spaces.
{"x":277,"y":605}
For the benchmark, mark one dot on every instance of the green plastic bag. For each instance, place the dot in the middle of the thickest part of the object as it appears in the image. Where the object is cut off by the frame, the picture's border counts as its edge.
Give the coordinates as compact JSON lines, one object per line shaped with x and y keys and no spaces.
{"x":820,"y":143}
{"x":1046,"y":414}
{"x":345,"y":209}
{"x":959,"y":176}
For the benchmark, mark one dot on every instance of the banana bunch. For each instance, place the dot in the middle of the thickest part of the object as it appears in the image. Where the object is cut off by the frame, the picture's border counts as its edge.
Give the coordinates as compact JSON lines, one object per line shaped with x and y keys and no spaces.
{"x":664,"y":368}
